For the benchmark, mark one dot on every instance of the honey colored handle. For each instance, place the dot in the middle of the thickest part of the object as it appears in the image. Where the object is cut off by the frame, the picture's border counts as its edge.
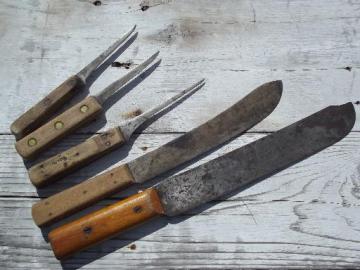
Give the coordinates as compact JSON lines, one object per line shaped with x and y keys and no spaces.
{"x":78,"y":197}
{"x":41,"y":112}
{"x":58,"y":127}
{"x":104,"y":223}
{"x":58,"y":166}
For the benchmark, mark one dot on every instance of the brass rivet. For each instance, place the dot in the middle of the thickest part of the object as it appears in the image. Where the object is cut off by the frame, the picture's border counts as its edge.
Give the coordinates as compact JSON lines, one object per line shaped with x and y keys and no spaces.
{"x":32,"y":142}
{"x":59,"y":125}
{"x":84,"y":108}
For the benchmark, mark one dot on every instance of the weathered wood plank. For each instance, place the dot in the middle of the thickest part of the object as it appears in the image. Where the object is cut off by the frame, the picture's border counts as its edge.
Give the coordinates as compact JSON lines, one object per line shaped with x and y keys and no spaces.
{"x":298,"y":42}
{"x":305,"y":216}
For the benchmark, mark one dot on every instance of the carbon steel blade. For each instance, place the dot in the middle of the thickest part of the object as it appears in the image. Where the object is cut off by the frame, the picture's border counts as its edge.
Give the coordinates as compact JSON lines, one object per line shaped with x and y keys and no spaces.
{"x":257,"y":160}
{"x":238,"y":118}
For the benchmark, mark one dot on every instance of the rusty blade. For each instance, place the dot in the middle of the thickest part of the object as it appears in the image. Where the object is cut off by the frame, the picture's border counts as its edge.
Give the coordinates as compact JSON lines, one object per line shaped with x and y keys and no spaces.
{"x":256,"y":160}
{"x":230,"y":123}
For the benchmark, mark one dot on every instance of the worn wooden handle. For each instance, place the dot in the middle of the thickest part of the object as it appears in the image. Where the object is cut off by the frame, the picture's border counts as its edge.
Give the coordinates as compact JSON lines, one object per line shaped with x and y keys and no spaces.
{"x":58,"y":127}
{"x":104,"y":223}
{"x":41,"y":112}
{"x":60,"y":165}
{"x":78,"y":197}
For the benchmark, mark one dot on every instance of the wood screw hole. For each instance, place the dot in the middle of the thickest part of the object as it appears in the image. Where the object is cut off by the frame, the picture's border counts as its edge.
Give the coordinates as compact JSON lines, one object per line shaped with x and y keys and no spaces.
{"x":137,"y":209}
{"x":87,"y":230}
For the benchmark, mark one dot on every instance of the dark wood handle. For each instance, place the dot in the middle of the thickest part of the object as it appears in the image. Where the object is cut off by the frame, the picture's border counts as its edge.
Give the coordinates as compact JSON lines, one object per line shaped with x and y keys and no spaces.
{"x":58,"y":127}
{"x":78,"y":197}
{"x":60,"y":165}
{"x":104,"y":223}
{"x":41,"y":112}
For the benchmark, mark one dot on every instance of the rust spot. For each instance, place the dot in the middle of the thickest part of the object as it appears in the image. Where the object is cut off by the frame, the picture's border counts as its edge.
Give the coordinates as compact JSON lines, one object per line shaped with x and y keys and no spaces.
{"x":87,"y":230}
{"x":125,"y":65}
{"x":137,"y":209}
{"x":97,"y":3}
{"x":132,"y":247}
{"x":133,"y":114}
{"x":144,"y":148}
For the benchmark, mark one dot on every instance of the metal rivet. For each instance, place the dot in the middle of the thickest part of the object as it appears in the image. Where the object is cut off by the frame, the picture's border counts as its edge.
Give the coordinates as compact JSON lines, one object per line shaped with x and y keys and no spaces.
{"x":59,"y":125}
{"x":32,"y":142}
{"x":84,"y":108}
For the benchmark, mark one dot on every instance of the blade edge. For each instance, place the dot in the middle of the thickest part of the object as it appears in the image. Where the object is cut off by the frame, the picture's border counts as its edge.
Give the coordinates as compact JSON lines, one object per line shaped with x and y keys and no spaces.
{"x":257,"y":160}
{"x":243,"y":115}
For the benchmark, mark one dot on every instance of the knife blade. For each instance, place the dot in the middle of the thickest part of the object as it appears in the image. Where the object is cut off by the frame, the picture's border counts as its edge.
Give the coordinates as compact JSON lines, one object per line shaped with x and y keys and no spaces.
{"x":235,"y":120}
{"x":218,"y":177}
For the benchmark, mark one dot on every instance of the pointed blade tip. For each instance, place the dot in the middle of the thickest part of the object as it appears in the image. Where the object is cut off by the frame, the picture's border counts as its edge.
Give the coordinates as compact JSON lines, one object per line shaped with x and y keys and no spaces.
{"x":349,"y":115}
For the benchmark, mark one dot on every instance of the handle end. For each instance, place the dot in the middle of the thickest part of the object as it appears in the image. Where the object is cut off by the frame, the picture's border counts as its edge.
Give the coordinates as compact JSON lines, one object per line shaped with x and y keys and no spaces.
{"x":104,"y":223}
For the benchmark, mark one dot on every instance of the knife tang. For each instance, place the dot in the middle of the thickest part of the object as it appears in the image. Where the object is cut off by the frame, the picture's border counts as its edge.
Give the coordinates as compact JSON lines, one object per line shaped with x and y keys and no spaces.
{"x":40,"y":112}
{"x":57,"y":128}
{"x":82,"y":195}
{"x":105,"y":223}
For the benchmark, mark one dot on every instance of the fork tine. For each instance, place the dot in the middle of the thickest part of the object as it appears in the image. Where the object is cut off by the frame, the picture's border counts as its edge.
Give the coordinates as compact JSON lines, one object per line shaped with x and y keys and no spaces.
{"x":148,"y":114}
{"x":87,"y":70}
{"x":129,"y":126}
{"x":115,"y":86}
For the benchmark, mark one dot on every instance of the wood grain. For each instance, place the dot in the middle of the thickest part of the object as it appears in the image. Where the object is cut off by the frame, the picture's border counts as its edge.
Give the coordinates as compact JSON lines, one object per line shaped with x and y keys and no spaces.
{"x":60,"y":165}
{"x":43,"y":110}
{"x":57,"y":128}
{"x":304,"y":217}
{"x":71,"y":200}
{"x":105,"y":223}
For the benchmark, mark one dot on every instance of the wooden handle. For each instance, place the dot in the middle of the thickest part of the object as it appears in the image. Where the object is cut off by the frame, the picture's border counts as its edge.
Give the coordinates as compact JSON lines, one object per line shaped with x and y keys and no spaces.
{"x":58,"y":166}
{"x":41,"y":112}
{"x":58,"y":127}
{"x":78,"y":197}
{"x":104,"y":223}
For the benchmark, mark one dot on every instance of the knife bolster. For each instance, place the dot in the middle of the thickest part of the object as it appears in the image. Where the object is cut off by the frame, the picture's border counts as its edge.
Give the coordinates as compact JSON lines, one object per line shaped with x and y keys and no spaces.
{"x":105,"y":223}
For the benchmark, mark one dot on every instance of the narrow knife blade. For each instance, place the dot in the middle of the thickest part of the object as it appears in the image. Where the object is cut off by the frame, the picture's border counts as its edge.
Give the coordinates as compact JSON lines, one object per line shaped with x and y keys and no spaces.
{"x":256,"y":160}
{"x":237,"y":119}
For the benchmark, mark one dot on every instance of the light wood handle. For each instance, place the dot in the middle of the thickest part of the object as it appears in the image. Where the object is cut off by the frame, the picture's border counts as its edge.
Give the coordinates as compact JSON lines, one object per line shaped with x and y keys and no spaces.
{"x":41,"y":112}
{"x":58,"y":127}
{"x":60,"y":165}
{"x":78,"y":197}
{"x":104,"y":223}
